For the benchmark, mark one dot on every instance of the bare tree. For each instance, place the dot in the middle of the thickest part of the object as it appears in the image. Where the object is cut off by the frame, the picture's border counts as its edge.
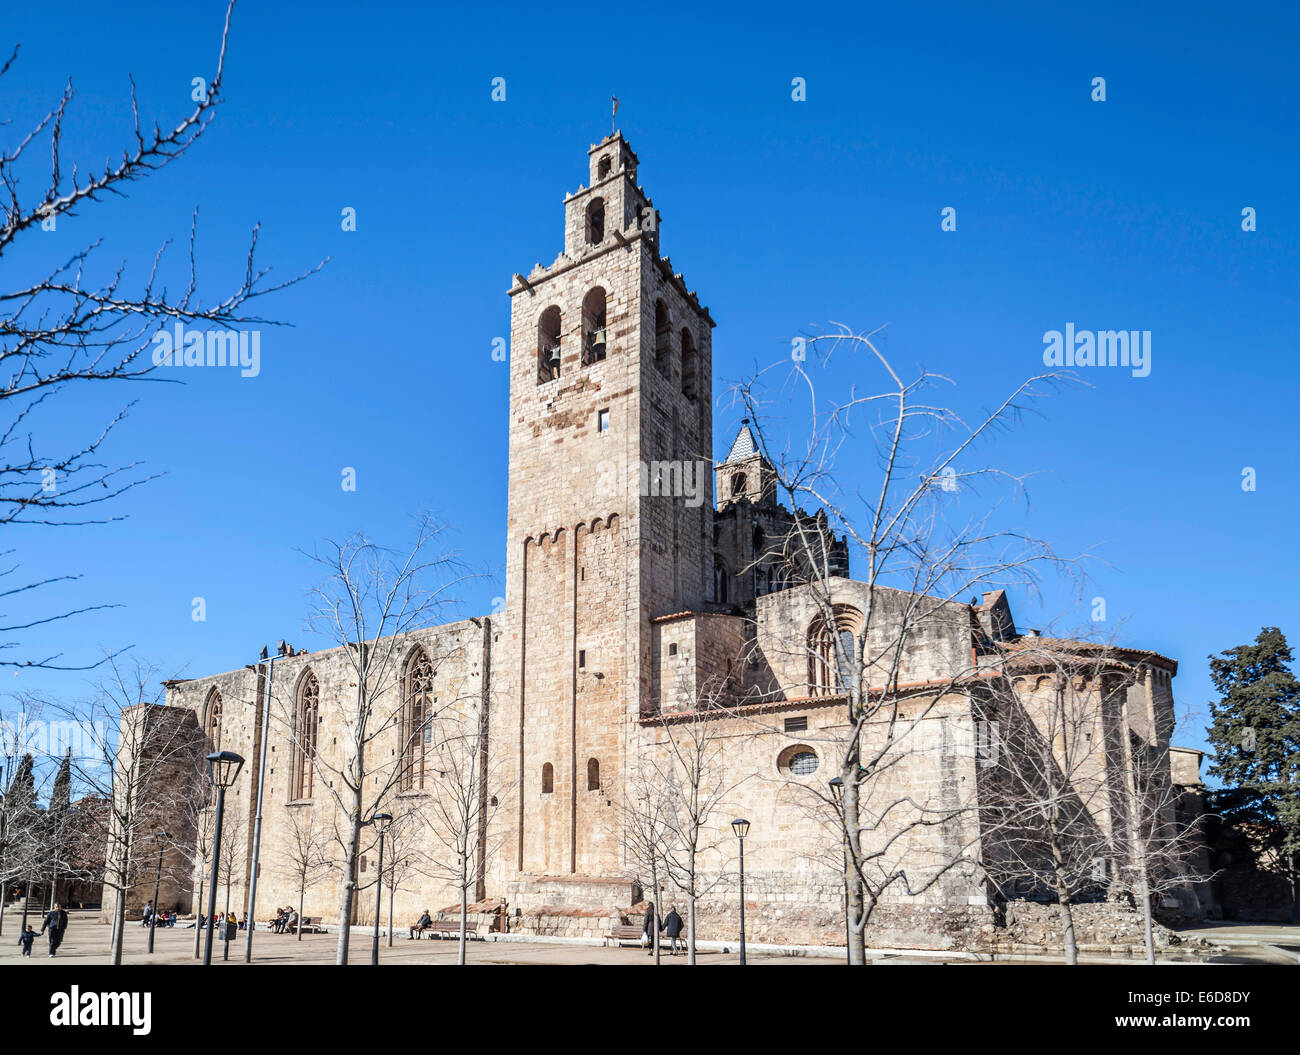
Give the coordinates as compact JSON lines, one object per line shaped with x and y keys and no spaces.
{"x":402,"y":858}
{"x":370,"y":599}
{"x":69,"y":329}
{"x":231,"y":858}
{"x":199,"y":815}
{"x":19,"y":811}
{"x":137,"y":754}
{"x":465,"y":792}
{"x":647,"y":808}
{"x":691,"y":765}
{"x":305,"y":853}
{"x":1165,"y":852}
{"x":922,"y":539}
{"x":1048,"y":799}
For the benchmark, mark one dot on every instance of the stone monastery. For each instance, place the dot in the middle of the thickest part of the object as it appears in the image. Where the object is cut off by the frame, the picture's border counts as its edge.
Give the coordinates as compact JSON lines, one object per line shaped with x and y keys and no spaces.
{"x":639,"y":618}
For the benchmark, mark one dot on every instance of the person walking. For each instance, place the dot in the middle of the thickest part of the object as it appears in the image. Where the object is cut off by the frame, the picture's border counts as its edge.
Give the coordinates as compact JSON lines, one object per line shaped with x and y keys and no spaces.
{"x":147,"y":914}
{"x":650,"y":927}
{"x":26,"y":938}
{"x":673,"y":927}
{"x":56,"y":923}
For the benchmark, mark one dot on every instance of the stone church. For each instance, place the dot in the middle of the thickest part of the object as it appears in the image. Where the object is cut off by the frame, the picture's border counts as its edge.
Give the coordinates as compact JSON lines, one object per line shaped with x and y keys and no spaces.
{"x":650,"y":588}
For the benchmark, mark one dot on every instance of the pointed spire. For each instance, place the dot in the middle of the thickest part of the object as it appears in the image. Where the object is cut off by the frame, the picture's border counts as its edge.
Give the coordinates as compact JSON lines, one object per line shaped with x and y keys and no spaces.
{"x":744,"y":445}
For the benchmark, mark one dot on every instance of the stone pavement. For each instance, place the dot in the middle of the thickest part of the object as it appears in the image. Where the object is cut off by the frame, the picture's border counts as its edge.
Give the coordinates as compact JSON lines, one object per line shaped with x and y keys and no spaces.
{"x":87,"y":941}
{"x":1277,"y":943}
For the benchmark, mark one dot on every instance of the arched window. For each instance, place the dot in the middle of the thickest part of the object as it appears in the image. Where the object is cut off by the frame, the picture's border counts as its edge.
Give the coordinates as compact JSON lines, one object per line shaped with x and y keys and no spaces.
{"x":738,"y":483}
{"x":720,"y":578}
{"x":417,"y":720}
{"x":212,"y":723}
{"x":833,"y":652}
{"x":548,"y":345}
{"x":306,"y":724}
{"x":602,"y":170}
{"x":689,"y":364}
{"x":596,"y":221}
{"x":593,"y":327}
{"x":593,"y":775}
{"x":548,"y":779}
{"x":663,"y":339}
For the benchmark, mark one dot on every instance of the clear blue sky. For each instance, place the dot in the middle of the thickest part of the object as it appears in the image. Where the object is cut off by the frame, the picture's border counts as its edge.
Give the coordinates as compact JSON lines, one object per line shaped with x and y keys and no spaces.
{"x":783,"y":215}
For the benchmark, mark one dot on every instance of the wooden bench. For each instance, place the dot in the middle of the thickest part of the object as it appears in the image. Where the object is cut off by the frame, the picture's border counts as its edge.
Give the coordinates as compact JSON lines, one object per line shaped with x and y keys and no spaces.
{"x":622,"y":933}
{"x":449,"y":928}
{"x":308,"y":925}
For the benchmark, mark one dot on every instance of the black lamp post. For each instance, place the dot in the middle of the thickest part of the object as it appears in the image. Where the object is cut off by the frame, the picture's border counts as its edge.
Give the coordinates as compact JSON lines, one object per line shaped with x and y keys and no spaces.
{"x":741,"y":827}
{"x":837,"y":790}
{"x":380,"y":823}
{"x":223,"y":768}
{"x":283,"y":652}
{"x":158,"y":837}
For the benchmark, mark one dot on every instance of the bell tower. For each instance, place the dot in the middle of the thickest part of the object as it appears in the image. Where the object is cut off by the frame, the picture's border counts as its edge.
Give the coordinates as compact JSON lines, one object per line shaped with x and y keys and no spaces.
{"x":609,"y":514}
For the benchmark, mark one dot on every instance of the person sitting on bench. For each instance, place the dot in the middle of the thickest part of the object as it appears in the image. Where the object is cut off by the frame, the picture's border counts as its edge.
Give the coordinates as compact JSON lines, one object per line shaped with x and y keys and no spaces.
{"x":423,"y":925}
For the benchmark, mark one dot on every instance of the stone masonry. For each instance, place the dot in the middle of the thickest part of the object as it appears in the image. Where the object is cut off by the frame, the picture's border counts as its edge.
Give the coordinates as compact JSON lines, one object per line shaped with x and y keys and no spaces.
{"x":632,"y":595}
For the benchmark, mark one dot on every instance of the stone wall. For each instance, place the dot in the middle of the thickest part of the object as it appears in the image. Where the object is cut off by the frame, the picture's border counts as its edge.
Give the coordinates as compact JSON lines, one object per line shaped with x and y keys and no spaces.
{"x":457,"y":653}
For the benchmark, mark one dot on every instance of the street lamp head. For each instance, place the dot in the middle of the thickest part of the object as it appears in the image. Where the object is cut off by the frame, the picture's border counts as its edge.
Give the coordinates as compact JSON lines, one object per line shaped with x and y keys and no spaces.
{"x":837,"y":788}
{"x":381,"y":821}
{"x":741,"y":827}
{"x":160,"y":835}
{"x":224,"y":767}
{"x":282,"y":649}
{"x":262,"y":654}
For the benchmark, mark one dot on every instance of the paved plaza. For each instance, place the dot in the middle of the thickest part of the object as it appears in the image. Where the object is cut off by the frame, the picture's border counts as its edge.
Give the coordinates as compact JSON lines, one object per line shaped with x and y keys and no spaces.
{"x":87,"y":942}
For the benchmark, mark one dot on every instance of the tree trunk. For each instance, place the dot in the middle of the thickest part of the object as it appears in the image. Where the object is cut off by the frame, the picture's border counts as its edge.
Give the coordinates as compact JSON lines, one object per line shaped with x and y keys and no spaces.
{"x":1067,"y":922}
{"x":198,"y":911}
{"x":464,"y":912}
{"x":690,"y":930}
{"x":349,"y":881}
{"x":1148,"y":937}
{"x":120,"y":921}
{"x":302,"y":897}
{"x":654,"y":900}
{"x":852,"y":879}
{"x":391,"y":890}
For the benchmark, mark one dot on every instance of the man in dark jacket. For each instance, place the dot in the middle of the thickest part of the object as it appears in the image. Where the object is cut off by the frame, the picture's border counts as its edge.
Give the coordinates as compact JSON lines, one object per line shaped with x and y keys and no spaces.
{"x":649,"y":926}
{"x":422,"y":924}
{"x":673,"y":928}
{"x":56,"y":923}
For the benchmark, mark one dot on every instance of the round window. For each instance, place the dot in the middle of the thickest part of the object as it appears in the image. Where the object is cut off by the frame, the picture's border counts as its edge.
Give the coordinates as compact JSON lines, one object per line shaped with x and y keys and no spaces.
{"x":804,"y":763}
{"x":798,"y":760}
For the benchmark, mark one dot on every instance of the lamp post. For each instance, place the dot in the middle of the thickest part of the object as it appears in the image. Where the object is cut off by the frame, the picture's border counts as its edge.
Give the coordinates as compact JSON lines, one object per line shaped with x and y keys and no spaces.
{"x":223,"y":768}
{"x":741,"y":827}
{"x":158,"y":837}
{"x":380,"y":823}
{"x":837,"y":791}
{"x":281,"y":652}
